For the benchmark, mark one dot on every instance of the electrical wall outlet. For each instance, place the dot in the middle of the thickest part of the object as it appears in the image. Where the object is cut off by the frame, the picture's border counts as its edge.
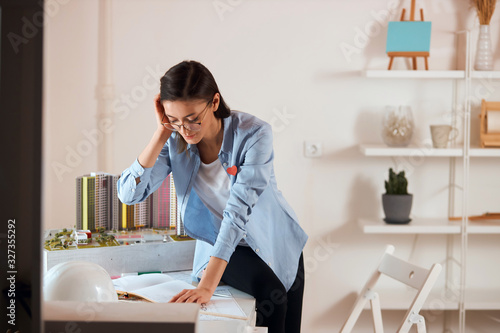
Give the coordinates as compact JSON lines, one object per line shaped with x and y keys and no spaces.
{"x":313,"y":149}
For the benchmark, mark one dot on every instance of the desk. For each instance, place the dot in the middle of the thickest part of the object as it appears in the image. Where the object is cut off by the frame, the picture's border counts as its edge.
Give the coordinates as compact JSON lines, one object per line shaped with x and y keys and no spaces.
{"x":247,"y":304}
{"x":244,"y":300}
{"x":152,"y":257}
{"x":127,"y":317}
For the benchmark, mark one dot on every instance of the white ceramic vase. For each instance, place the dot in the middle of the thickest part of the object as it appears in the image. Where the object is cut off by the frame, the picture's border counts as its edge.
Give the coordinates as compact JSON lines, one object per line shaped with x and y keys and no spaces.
{"x":484,"y":54}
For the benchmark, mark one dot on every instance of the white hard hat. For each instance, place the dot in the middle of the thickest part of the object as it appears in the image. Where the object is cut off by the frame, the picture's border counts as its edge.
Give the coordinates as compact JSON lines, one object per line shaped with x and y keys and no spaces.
{"x":78,"y":281}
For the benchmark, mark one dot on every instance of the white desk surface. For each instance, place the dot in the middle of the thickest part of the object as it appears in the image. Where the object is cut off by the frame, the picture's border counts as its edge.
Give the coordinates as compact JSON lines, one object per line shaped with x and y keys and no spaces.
{"x":63,"y":310}
{"x":244,"y":300}
{"x":247,"y":304}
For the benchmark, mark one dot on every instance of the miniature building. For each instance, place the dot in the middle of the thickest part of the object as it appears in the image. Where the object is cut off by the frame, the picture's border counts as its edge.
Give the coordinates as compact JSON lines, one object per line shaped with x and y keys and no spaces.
{"x":160,"y":205}
{"x":98,"y":206}
{"x":82,"y":238}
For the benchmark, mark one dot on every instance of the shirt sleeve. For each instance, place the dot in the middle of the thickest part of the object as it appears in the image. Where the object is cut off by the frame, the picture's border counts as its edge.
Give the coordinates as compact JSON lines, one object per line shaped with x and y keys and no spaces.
{"x":150,"y":178}
{"x":252,"y":178}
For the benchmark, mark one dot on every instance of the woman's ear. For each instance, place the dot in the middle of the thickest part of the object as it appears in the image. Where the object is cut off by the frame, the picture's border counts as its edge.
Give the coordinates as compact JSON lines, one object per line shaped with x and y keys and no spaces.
{"x":216,"y":102}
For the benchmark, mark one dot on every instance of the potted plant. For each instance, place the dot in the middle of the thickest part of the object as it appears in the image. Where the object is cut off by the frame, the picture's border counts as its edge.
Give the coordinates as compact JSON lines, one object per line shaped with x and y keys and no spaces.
{"x":396,"y":201}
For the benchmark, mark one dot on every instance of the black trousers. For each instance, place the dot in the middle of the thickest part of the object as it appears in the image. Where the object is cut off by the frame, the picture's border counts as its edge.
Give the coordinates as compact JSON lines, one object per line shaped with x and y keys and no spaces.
{"x":277,"y":309}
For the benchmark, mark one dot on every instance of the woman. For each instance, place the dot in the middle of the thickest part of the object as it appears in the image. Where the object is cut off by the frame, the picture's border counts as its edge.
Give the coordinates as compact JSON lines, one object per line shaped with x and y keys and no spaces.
{"x":222,"y":163}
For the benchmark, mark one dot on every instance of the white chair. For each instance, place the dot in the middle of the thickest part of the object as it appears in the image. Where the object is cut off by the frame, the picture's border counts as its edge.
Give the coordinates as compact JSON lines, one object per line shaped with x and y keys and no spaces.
{"x":414,"y":276}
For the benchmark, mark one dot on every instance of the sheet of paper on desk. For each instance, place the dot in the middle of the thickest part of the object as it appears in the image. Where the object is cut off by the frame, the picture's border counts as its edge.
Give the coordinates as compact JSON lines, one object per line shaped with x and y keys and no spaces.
{"x":222,"y":305}
{"x":161,"y":288}
{"x":223,"y":291}
{"x":163,"y":292}
{"x":135,"y":282}
{"x":225,"y":305}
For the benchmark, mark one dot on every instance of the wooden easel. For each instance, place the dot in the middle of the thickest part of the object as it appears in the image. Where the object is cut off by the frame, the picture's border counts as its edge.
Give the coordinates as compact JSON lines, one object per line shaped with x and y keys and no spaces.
{"x":412,"y":55}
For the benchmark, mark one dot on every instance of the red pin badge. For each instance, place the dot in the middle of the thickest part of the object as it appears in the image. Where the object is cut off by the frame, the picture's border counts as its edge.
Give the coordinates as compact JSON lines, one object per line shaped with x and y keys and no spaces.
{"x":232,"y":170}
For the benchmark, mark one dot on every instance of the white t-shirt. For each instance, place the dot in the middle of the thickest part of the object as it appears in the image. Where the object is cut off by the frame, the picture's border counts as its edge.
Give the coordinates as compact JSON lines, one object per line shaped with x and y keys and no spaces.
{"x":213,"y":187}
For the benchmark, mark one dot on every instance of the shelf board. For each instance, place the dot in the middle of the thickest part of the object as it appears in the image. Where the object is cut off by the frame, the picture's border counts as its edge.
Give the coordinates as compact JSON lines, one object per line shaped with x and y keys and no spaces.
{"x":416,"y":226}
{"x":475,"y":299}
{"x":482,"y":299}
{"x":484,"y":227}
{"x":411,"y":150}
{"x":484,"y":152}
{"x":381,"y":149}
{"x":433,"y":74}
{"x":418,"y":74}
{"x":485,"y":74}
{"x":429,"y":226}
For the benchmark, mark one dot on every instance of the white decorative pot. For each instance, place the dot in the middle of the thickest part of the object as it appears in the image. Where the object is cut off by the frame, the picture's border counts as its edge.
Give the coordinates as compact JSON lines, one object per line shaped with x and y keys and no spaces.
{"x":484,"y":54}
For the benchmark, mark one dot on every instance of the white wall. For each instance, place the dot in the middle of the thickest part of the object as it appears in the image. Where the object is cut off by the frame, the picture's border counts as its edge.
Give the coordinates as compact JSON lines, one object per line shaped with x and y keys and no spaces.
{"x":283,"y":62}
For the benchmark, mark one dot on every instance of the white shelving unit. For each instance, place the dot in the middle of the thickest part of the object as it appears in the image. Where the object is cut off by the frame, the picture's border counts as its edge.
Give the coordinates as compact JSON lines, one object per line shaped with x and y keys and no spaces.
{"x":482,"y":299}
{"x":485,"y":74}
{"x":403,"y":74}
{"x":412,"y":150}
{"x":416,"y":226}
{"x":430,"y":226}
{"x":469,"y":299}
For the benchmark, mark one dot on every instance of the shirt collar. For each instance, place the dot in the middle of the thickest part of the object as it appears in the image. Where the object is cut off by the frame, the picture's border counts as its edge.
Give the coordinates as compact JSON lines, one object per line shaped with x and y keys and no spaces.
{"x":227,"y":139}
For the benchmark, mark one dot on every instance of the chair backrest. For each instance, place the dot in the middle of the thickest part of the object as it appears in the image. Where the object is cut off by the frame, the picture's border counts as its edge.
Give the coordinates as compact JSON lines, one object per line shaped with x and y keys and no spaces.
{"x":412,"y":275}
{"x":403,"y":271}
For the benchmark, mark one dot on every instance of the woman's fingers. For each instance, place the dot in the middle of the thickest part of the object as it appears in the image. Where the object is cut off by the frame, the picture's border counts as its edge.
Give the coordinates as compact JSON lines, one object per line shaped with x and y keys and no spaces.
{"x":182,"y":298}
{"x":191,"y":296}
{"x":185,"y":296}
{"x":176,"y":297}
{"x":188,"y":297}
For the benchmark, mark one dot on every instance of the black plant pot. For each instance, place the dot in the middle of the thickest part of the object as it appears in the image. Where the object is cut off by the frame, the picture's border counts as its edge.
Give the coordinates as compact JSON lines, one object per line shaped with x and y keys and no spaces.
{"x":397,"y":208}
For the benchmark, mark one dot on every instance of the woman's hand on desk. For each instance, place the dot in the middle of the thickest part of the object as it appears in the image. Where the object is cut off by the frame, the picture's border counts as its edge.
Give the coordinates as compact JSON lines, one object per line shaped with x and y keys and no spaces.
{"x":209,"y":281}
{"x":198,"y":295}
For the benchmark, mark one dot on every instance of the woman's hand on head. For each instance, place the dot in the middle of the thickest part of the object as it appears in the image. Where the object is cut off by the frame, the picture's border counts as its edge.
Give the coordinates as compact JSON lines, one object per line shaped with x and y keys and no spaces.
{"x":198,"y":295}
{"x":160,"y":115}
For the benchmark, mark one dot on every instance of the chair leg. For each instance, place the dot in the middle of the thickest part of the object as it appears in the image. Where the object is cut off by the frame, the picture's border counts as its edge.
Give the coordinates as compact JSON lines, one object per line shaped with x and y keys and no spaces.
{"x":410,"y":320}
{"x":376,"y":314}
{"x":421,"y":327}
{"x":353,"y":317}
{"x":426,"y":64}
{"x":390,"y":63}
{"x":414,"y":62}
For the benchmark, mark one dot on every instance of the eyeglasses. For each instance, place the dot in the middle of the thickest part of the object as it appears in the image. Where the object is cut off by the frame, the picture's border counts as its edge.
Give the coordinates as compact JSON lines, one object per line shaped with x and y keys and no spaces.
{"x":192,"y":126}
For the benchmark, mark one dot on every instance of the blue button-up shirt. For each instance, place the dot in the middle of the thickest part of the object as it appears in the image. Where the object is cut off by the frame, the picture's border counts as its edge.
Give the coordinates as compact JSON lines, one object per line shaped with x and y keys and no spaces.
{"x":256,"y":209}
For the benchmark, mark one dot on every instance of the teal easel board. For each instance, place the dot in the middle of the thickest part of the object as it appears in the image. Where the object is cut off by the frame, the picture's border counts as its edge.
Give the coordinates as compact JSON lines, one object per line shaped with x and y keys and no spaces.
{"x":409,"y":36}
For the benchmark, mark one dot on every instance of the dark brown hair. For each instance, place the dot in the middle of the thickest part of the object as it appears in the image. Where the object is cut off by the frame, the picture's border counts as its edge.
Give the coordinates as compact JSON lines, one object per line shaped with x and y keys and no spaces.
{"x":187,"y":81}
